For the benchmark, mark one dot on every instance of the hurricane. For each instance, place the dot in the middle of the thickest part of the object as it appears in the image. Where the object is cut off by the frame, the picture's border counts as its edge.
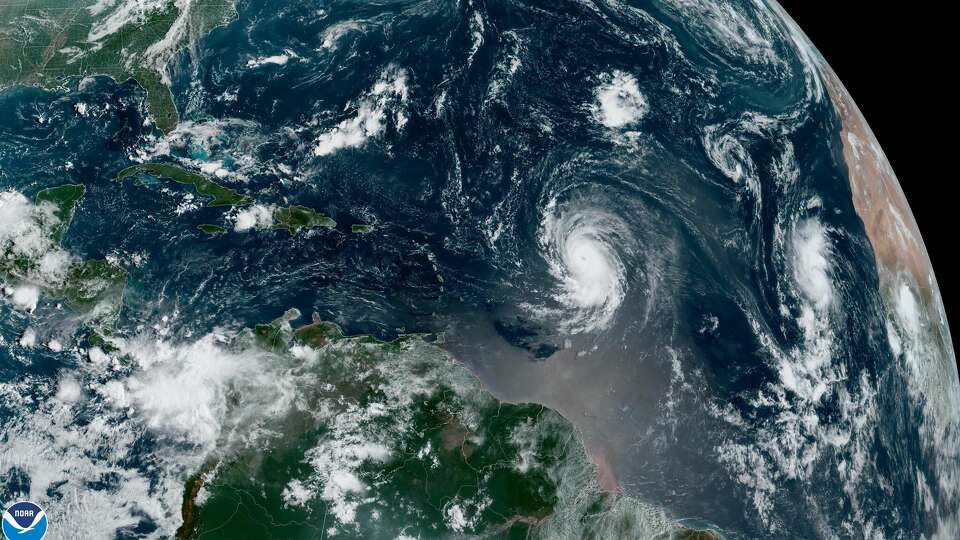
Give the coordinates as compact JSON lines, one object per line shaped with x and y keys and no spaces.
{"x":583,"y":247}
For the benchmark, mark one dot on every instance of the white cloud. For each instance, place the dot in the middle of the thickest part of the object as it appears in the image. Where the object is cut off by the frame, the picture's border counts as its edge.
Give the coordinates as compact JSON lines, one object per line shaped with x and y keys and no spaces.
{"x":811,"y":268}
{"x":585,"y":248}
{"x":180,"y":390}
{"x":29,"y":338}
{"x":276,"y":60}
{"x":793,"y":440}
{"x":54,"y":265}
{"x":371,"y":117}
{"x":68,"y":390}
{"x":333,"y":33}
{"x":257,"y":216}
{"x":21,"y":225}
{"x":128,"y":12}
{"x":296,"y":494}
{"x":739,"y":32}
{"x":25,"y":297}
{"x":174,"y":393}
{"x":25,"y":234}
{"x":619,"y":101}
{"x":97,"y":356}
{"x":456,"y":519}
{"x":337,"y":459}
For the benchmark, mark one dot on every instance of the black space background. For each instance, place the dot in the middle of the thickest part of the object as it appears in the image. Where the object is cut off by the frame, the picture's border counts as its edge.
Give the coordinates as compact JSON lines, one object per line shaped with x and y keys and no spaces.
{"x":898,"y":63}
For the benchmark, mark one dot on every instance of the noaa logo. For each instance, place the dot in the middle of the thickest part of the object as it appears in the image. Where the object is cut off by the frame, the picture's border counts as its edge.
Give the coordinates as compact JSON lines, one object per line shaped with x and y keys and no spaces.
{"x":24,"y":521}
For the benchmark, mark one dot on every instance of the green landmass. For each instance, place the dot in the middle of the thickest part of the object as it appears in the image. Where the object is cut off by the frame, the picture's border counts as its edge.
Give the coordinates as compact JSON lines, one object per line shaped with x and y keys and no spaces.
{"x":295,"y":218}
{"x":392,"y":439}
{"x":292,"y":219}
{"x":94,"y":285}
{"x":220,"y":195}
{"x":277,"y":335}
{"x":361,"y":228}
{"x":318,"y":333}
{"x":211,"y":229}
{"x":91,"y":288}
{"x":42,"y":42}
{"x":65,"y":198}
{"x":694,"y":534}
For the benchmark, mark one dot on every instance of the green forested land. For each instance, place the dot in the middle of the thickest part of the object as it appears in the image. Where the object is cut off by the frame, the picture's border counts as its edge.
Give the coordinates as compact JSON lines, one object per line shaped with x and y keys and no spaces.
{"x":451,"y":442}
{"x":44,"y":41}
{"x":454,"y":462}
{"x":91,"y":288}
{"x":65,"y":198}
{"x":221,"y":195}
{"x":211,"y":229}
{"x":294,"y":218}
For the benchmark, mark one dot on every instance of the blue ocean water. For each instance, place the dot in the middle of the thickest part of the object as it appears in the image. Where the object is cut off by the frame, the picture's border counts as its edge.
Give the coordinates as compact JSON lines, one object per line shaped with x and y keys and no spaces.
{"x":494,"y":182}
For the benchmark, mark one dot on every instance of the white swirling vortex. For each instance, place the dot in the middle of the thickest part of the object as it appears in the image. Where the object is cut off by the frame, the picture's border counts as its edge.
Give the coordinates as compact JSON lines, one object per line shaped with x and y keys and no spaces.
{"x":583,"y":249}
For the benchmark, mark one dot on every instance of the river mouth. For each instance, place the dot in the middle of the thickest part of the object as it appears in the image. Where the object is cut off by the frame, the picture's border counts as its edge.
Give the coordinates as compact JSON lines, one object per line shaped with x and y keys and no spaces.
{"x":622,"y":397}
